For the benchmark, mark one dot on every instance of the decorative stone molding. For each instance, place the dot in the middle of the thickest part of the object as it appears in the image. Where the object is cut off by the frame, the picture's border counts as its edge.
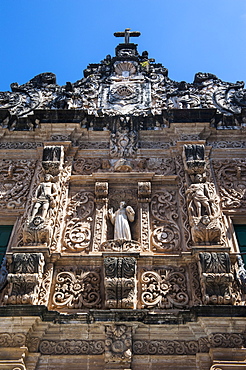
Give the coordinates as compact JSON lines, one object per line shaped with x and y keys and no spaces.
{"x":12,"y":339}
{"x":120,"y":282}
{"x":189,"y":347}
{"x":121,"y":246}
{"x":72,"y":347}
{"x":164,"y":288}
{"x":77,"y":290}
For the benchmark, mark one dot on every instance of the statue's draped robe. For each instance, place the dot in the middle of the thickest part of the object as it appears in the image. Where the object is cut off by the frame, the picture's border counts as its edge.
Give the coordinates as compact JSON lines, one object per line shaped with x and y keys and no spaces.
{"x":121,"y":224}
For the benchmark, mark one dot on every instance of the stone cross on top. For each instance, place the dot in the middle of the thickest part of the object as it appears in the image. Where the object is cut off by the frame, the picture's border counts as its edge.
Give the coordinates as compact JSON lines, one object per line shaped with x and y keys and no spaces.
{"x":127,"y":34}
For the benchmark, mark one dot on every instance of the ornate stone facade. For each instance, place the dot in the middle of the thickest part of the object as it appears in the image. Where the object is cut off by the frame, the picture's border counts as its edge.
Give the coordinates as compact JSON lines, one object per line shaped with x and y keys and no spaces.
{"x":123,"y":253}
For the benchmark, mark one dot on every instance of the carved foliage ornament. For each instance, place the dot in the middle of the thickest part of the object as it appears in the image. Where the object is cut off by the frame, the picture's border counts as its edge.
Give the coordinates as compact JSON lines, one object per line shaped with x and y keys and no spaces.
{"x":72,"y":347}
{"x":166,"y":288}
{"x":123,"y":143}
{"x":166,"y":233}
{"x":15,"y":179}
{"x":77,"y":290}
{"x":78,"y":229}
{"x":231,"y":179}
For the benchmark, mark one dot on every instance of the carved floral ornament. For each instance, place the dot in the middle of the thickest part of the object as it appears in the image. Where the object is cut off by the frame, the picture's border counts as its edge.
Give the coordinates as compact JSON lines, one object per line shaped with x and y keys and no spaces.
{"x":77,"y":236}
{"x":166,"y":232}
{"x":77,"y":290}
{"x":165,"y":288}
{"x":15,"y":179}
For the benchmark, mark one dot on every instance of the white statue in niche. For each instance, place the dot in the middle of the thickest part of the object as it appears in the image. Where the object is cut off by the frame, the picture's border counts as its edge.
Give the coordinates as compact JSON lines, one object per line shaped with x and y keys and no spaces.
{"x":120,"y":221}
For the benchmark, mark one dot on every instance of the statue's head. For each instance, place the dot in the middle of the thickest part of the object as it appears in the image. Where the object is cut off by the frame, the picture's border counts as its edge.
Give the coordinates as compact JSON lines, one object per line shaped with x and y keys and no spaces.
{"x":122,"y":204}
{"x":198,"y":178}
{"x":47,"y":177}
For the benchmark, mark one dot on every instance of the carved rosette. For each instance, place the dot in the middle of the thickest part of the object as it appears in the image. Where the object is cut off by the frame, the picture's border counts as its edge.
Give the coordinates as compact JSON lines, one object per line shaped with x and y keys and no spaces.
{"x":118,"y":344}
{"x":166,"y":288}
{"x":166,"y":232}
{"x":77,"y":290}
{"x":77,"y":237}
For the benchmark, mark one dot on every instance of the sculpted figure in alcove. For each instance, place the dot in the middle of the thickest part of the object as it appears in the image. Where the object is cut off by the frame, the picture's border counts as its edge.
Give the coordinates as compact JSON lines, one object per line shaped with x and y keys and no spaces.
{"x":120,"y":219}
{"x":45,"y":198}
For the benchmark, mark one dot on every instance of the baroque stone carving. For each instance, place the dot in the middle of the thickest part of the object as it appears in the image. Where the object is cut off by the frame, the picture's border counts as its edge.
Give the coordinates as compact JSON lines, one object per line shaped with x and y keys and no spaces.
{"x":15,"y":179}
{"x":165,"y":288}
{"x":230,"y":177}
{"x":25,"y":279}
{"x":86,"y":166}
{"x":166,"y":232}
{"x":118,"y":344}
{"x":194,"y":158}
{"x":37,"y":229}
{"x":77,"y":235}
{"x":120,"y":221}
{"x":72,"y":347}
{"x":120,"y":282}
{"x":216,"y":278}
{"x":77,"y":290}
{"x":121,"y":245}
{"x":3,"y":273}
{"x":189,"y":347}
{"x":12,"y":339}
{"x":128,"y":83}
{"x":123,"y":143}
{"x":53,"y":159}
{"x":204,"y":211}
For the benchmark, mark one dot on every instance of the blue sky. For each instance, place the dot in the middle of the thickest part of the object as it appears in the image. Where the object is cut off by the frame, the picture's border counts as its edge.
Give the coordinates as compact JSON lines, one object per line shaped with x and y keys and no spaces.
{"x":63,"y":36}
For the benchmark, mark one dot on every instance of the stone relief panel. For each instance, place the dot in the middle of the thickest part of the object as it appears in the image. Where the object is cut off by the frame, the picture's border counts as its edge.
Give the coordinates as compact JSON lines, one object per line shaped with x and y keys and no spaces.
{"x":25,"y":279}
{"x":216,"y":278}
{"x":123,"y":143}
{"x":77,"y":289}
{"x":120,"y":282}
{"x":79,"y":220}
{"x":166,"y":235}
{"x":87,"y":166}
{"x":72,"y":347}
{"x":164,"y":288}
{"x":118,"y":344}
{"x":231,"y":180}
{"x":15,"y":180}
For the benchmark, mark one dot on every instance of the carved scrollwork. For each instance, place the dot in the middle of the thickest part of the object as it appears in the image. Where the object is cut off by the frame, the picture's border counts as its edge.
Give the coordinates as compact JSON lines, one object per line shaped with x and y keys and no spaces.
{"x":77,"y":291}
{"x":123,"y":143}
{"x":164,"y":288}
{"x":121,"y":246}
{"x":15,"y":179}
{"x":231,"y":179}
{"x":86,"y":166}
{"x":12,"y":339}
{"x":71,"y":347}
{"x":166,"y":232}
{"x":77,"y":235}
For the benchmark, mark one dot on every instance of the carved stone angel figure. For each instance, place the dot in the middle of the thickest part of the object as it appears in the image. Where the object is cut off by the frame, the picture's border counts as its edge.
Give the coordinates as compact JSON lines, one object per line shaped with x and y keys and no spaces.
{"x":120,"y":221}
